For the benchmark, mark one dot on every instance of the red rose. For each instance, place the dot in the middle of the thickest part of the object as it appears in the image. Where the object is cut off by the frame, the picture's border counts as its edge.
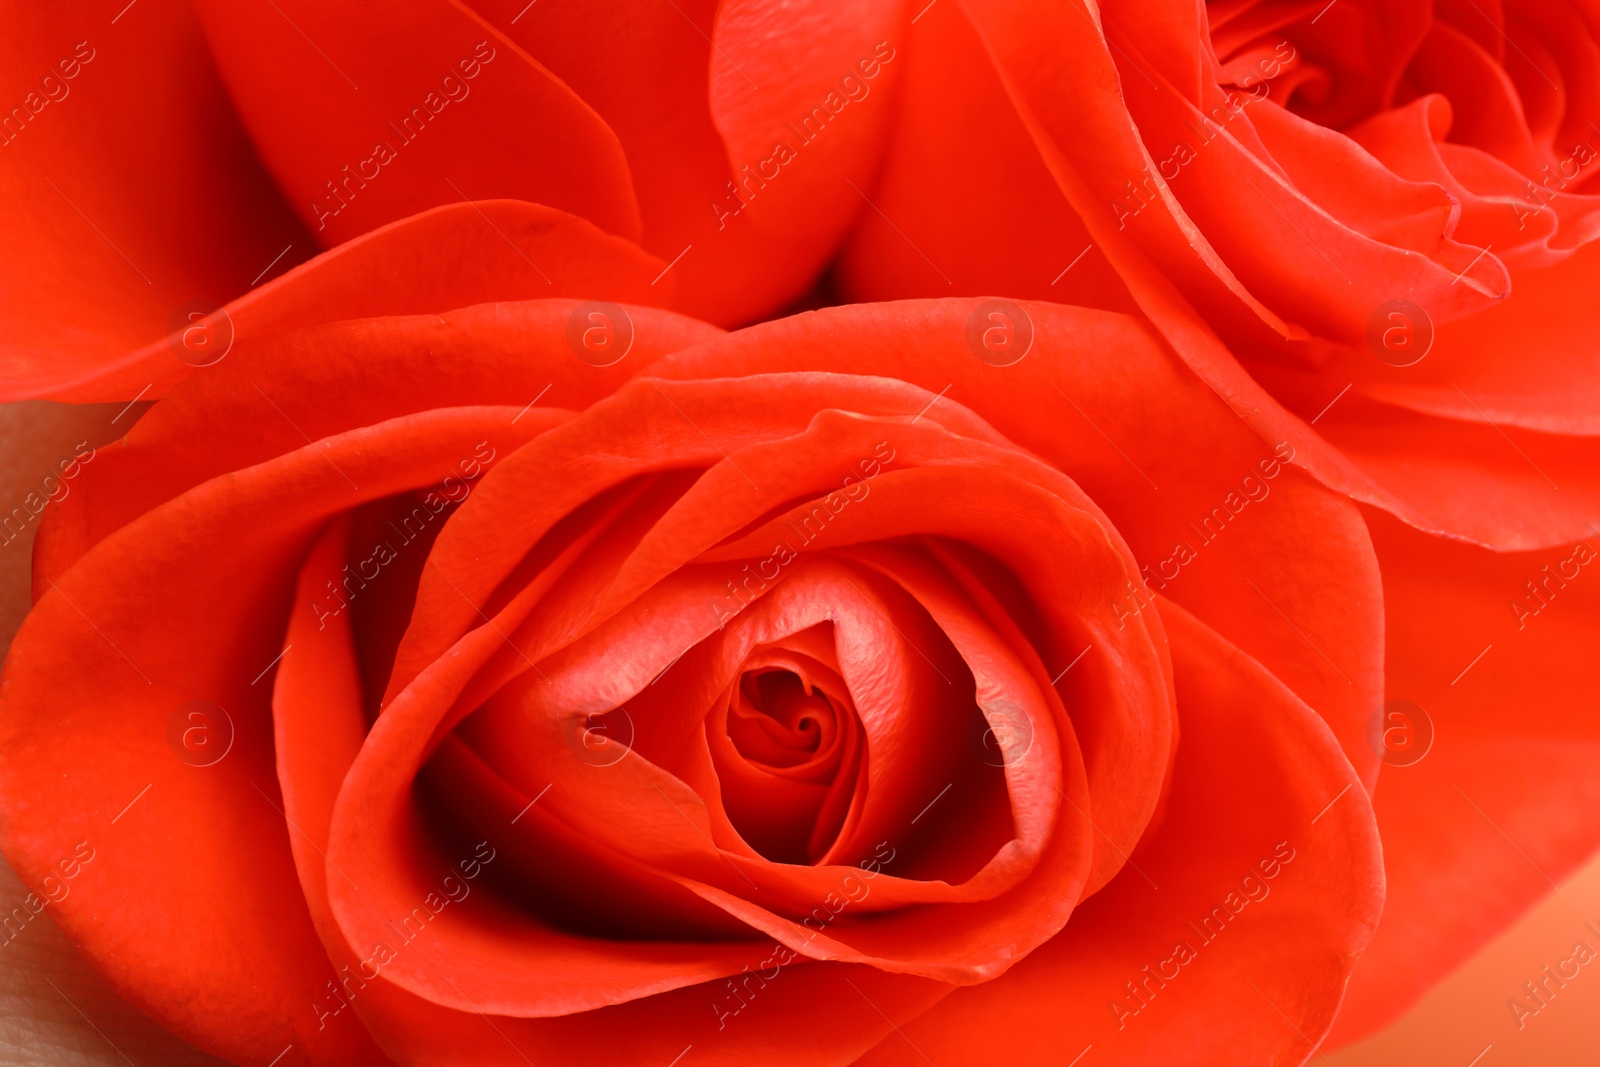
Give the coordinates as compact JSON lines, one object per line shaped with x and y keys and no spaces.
{"x":161,"y":161}
{"x":1370,"y":228}
{"x":437,"y":689}
{"x":1306,"y":179}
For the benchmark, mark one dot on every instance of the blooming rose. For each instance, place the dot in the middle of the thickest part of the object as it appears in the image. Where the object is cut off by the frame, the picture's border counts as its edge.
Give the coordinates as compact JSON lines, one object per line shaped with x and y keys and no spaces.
{"x":477,"y":688}
{"x":162,"y":159}
{"x":1387,"y":214}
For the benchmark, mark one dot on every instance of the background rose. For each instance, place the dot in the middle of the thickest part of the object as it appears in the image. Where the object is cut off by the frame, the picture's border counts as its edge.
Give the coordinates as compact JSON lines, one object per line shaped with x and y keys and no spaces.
{"x":195,"y":152}
{"x":1338,"y":157}
{"x":1286,"y":170}
{"x":226,"y":895}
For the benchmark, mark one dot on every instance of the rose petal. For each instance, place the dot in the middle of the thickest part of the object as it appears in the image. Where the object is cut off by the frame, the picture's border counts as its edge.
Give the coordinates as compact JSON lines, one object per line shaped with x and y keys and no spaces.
{"x":1503,"y":805}
{"x":1258,"y":775}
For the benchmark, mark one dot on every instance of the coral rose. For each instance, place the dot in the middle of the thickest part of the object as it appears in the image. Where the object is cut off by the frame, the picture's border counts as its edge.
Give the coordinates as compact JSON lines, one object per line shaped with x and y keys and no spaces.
{"x":557,"y":681}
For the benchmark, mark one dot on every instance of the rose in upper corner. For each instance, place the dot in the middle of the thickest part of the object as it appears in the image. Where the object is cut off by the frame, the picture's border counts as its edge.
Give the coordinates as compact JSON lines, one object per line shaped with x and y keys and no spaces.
{"x":167,"y":159}
{"x":1386,"y":213}
{"x":480,"y":686}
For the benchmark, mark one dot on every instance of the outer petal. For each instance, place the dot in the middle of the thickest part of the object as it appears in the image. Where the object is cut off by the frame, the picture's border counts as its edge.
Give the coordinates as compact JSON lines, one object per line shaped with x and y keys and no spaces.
{"x":235,"y":977}
{"x":1259,"y":779}
{"x":370,"y":112}
{"x":438,"y":260}
{"x":130,"y":187}
{"x":1507,"y":801}
{"x":336,"y":378}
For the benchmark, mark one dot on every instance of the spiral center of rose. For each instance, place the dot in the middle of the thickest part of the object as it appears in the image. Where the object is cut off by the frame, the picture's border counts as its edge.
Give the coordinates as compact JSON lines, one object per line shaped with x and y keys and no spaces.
{"x":779,"y":719}
{"x":788,"y":754}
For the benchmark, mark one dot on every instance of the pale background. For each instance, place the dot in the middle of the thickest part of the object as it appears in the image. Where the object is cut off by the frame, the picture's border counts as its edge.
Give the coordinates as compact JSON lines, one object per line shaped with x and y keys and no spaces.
{"x":55,"y":1012}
